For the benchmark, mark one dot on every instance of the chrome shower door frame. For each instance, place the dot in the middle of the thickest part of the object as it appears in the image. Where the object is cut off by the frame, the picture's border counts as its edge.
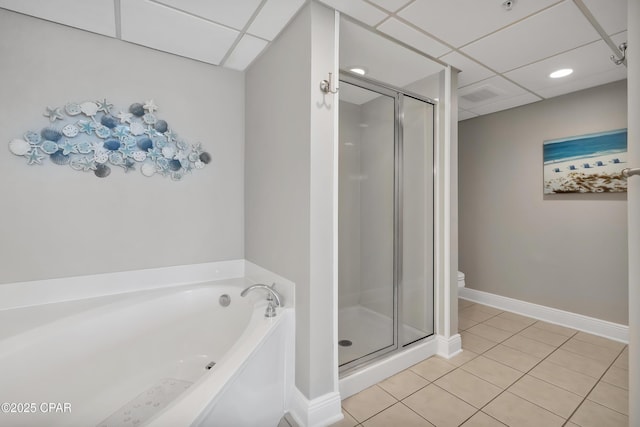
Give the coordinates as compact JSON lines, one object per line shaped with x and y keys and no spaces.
{"x":398,"y":95}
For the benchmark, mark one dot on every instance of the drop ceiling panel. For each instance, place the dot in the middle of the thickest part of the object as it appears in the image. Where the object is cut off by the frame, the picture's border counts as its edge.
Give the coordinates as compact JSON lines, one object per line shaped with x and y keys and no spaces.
{"x":505,"y":104}
{"x":385,"y":60}
{"x":587,"y":61}
{"x":591,"y":80}
{"x":464,"y":115}
{"x":234,"y":13}
{"x":97,"y":16}
{"x":391,"y":5}
{"x":543,"y":35}
{"x":470,"y":71}
{"x":175,"y":32}
{"x":610,"y":14}
{"x":273,"y":17}
{"x":413,"y":37}
{"x":359,"y":10}
{"x":462,"y":21}
{"x":245,"y":52}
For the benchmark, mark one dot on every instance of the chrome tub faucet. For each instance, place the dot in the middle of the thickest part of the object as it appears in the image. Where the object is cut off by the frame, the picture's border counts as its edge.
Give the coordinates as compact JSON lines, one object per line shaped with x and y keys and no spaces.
{"x":273,"y":297}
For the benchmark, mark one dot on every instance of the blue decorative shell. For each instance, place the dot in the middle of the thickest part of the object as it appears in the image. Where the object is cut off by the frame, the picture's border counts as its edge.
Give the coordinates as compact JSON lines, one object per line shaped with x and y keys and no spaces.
{"x":102,"y":171}
{"x":109,"y":121}
{"x":145,"y":144}
{"x":161,"y":126}
{"x":59,"y":159}
{"x":112,"y":144}
{"x":51,"y":134}
{"x":137,"y":109}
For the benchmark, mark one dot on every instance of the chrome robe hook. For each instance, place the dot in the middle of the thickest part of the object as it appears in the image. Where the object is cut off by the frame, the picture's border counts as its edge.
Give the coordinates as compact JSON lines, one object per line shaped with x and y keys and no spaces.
{"x":622,"y":48}
{"x":326,"y":86}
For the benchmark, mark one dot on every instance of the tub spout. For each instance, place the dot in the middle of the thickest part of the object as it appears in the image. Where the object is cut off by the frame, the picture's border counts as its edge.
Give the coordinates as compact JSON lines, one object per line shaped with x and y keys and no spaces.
{"x":273,"y":297}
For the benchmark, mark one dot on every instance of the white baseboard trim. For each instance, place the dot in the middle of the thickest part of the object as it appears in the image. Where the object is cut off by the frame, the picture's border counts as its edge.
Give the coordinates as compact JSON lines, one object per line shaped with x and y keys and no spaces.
{"x":449,"y":347}
{"x":319,"y":412}
{"x":603,"y":328}
{"x":384,"y":368}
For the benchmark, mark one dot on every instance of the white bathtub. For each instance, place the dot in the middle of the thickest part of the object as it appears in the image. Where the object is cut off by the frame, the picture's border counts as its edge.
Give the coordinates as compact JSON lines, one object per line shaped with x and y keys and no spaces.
{"x":139,"y":359}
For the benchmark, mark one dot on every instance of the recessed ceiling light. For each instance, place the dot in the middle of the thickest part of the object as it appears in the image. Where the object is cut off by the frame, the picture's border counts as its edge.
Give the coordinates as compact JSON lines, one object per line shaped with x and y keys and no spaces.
{"x":561,"y":73}
{"x":358,"y":70}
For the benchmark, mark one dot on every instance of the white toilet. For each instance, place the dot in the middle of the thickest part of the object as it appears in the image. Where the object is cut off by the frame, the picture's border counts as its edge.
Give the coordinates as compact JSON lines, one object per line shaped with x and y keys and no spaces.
{"x":461,"y":283}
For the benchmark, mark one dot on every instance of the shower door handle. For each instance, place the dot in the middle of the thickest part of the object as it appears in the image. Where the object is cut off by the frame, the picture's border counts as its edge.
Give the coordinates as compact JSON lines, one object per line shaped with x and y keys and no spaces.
{"x":627,"y":172}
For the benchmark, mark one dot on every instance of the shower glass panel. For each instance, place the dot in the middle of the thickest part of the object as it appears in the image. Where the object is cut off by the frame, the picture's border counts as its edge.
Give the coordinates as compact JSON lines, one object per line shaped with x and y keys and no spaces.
{"x":367,"y":208}
{"x":417,"y":219}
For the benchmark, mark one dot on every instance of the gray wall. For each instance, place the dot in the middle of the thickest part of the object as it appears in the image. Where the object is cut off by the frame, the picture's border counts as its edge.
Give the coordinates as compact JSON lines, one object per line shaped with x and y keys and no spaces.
{"x":563,"y":251}
{"x":57,"y":222}
{"x":288,"y":191}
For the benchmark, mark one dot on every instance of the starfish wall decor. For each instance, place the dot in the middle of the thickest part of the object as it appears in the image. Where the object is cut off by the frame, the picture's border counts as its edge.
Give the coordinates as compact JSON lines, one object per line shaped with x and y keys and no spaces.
{"x":90,"y":137}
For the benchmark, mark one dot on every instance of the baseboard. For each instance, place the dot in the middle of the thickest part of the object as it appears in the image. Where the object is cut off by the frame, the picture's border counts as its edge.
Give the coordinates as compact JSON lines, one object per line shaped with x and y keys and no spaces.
{"x":449,"y":347}
{"x":603,"y":328}
{"x":319,"y":412}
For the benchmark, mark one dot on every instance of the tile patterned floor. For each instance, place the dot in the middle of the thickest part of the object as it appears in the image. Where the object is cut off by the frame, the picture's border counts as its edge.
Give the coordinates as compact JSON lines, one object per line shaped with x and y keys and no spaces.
{"x":514,"y":371}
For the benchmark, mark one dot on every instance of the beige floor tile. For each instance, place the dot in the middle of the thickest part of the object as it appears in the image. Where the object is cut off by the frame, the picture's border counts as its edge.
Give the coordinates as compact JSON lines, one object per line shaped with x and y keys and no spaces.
{"x":517,"y":412}
{"x":612,"y":397}
{"x":403,"y":384}
{"x":604,"y":342}
{"x":465,"y":323}
{"x":492,"y":371}
{"x":489,"y":332}
{"x":575,"y":362}
{"x":622,"y":361}
{"x":591,"y":414}
{"x":592,"y":351}
{"x":397,"y":415}
{"x":432,"y":368}
{"x":618,"y":377}
{"x":512,"y":316}
{"x":367,"y":403}
{"x":529,"y":346}
{"x":468,"y":387}
{"x":506,"y":324}
{"x":462,"y":357}
{"x":543,"y":336}
{"x":513,"y":358}
{"x":562,"y":377}
{"x":552,"y":398}
{"x":490,"y":310}
{"x":439,"y":407}
{"x":556,"y":329}
{"x":475,"y":313}
{"x":462,"y":303}
{"x":480,"y":419}
{"x":475,"y":343}
{"x":347,"y":421}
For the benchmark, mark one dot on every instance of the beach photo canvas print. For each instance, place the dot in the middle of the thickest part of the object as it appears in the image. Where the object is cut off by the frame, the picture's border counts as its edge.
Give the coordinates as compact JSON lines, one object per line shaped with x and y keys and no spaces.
{"x":586,"y":164}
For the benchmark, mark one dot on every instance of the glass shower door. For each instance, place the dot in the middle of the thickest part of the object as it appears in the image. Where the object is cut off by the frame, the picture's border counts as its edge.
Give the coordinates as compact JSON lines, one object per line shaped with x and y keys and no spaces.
{"x":417,"y":219}
{"x":367,"y":209}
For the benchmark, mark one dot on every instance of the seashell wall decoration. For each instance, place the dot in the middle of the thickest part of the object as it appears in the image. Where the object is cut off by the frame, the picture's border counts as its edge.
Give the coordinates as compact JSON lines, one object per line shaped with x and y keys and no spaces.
{"x":89,"y":137}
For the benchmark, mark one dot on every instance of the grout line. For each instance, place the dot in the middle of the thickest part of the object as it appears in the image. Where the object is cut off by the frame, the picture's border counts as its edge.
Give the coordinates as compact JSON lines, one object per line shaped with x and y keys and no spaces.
{"x":594,"y":386}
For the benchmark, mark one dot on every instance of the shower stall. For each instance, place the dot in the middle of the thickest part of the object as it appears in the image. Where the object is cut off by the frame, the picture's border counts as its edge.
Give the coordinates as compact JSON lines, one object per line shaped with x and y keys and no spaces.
{"x":385,"y":220}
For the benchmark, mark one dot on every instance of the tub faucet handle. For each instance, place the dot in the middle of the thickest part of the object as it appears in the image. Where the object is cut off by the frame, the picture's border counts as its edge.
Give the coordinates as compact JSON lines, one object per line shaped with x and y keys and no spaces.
{"x":273,"y":297}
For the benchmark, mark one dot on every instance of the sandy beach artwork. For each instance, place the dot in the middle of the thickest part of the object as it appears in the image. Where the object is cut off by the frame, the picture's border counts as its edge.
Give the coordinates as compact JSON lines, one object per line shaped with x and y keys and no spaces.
{"x":586,"y":164}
